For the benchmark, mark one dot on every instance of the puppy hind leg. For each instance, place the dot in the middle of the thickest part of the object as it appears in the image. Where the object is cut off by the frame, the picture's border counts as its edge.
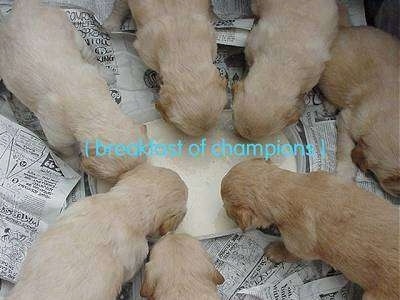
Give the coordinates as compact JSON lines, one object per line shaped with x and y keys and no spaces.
{"x":277,"y":253}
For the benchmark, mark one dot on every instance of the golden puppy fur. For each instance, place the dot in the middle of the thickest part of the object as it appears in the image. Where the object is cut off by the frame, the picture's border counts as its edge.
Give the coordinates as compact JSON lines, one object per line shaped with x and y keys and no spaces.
{"x":46,"y":64}
{"x":320,"y":216}
{"x":180,"y":269}
{"x":100,"y":242}
{"x":286,"y":52}
{"x":176,"y":38}
{"x":362,"y":78}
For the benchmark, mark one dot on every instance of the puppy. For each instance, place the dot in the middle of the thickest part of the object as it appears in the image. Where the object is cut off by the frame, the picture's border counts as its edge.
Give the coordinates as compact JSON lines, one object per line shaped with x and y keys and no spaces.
{"x":46,"y":64}
{"x":286,"y":52}
{"x":100,"y":242}
{"x":176,"y":38}
{"x":180,"y":269}
{"x":320,"y":216}
{"x":362,"y":79}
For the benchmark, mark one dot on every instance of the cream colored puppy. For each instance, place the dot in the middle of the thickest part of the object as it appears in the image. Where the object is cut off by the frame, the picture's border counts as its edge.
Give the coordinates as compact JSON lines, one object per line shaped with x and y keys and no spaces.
{"x":180,"y":269}
{"x":362,"y":78}
{"x":176,"y":38}
{"x":100,"y":242}
{"x":320,"y":216}
{"x":286,"y":52}
{"x":46,"y":64}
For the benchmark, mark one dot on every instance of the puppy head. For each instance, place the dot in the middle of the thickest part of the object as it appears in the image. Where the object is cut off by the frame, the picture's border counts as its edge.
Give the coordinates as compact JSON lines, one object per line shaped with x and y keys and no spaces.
{"x":193,"y":109}
{"x":381,"y":159}
{"x":178,"y":258}
{"x":106,"y":163}
{"x":259,"y":113}
{"x":159,"y":194}
{"x":243,"y":197}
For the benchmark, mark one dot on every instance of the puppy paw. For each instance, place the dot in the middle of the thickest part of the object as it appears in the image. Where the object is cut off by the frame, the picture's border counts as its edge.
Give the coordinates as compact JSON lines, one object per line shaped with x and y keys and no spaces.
{"x":274,"y":252}
{"x":277,"y":253}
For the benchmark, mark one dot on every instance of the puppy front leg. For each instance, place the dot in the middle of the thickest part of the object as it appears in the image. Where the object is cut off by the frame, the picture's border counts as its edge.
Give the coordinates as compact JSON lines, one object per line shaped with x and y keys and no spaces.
{"x":277,"y":253}
{"x":345,"y":168}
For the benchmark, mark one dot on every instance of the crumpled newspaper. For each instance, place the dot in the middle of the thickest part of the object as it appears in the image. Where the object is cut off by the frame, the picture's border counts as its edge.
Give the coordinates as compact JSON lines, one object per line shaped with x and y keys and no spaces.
{"x":101,"y":10}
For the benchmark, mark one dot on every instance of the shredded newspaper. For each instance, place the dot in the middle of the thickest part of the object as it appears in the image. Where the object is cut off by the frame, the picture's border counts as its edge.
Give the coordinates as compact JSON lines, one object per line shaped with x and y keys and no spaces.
{"x":33,"y":188}
{"x":249,"y":275}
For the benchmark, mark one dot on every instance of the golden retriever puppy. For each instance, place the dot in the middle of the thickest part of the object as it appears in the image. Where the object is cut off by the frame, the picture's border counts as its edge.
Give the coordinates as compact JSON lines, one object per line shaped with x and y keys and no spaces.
{"x":100,"y":242}
{"x":286,"y":52}
{"x":180,"y":269}
{"x":46,"y":64}
{"x":320,"y":216}
{"x":362,"y":78}
{"x":176,"y":38}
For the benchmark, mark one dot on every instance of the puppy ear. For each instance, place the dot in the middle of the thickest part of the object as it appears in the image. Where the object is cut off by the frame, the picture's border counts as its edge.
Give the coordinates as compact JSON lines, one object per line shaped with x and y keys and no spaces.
{"x":171,"y":223}
{"x":148,"y":284}
{"x":358,"y":156}
{"x":217,"y":277}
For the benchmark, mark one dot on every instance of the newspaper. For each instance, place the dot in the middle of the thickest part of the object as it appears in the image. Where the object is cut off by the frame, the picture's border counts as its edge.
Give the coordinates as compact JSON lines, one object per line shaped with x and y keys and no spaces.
{"x":5,"y":8}
{"x":232,"y":37}
{"x":101,"y":10}
{"x":316,"y":127}
{"x":34,"y":186}
{"x":249,"y":275}
{"x":234,"y":20}
{"x":230,"y":62}
{"x":5,"y":289}
{"x":233,"y":32}
{"x":326,"y":288}
{"x":238,"y":9}
{"x":232,"y":9}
